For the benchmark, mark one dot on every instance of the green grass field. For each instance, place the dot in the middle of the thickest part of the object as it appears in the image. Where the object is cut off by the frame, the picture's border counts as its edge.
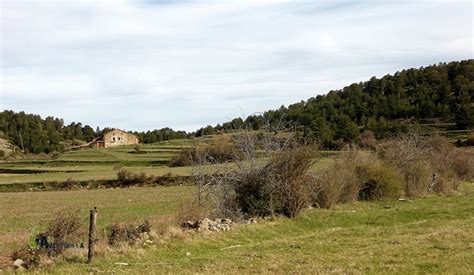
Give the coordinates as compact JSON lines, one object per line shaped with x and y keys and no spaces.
{"x":95,"y":164}
{"x":102,"y":164}
{"x":24,"y":213}
{"x":426,"y":235}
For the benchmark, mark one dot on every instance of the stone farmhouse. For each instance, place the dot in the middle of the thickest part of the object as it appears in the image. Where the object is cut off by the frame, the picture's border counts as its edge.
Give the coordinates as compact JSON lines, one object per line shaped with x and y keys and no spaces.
{"x":113,"y":138}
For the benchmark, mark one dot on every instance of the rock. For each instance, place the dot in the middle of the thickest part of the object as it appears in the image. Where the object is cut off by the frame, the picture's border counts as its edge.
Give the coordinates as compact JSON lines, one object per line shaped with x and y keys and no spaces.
{"x":209,"y":225}
{"x":188,"y":254}
{"x":18,"y":263}
{"x":204,"y":224}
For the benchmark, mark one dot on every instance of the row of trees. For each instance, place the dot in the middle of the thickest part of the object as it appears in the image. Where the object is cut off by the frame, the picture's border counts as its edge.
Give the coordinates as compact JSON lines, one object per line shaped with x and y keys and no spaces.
{"x":384,"y":106}
{"x":34,"y":134}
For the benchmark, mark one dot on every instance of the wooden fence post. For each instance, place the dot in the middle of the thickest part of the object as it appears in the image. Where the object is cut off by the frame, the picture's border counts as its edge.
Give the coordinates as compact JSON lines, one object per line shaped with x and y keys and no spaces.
{"x":92,"y":221}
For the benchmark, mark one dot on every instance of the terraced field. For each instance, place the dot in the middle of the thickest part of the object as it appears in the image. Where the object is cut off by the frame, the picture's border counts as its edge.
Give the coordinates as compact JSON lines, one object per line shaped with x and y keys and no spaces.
{"x":94,"y":164}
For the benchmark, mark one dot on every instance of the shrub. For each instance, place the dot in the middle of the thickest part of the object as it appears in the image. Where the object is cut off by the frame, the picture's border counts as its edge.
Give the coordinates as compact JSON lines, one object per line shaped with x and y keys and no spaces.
{"x":127,"y":233}
{"x":417,"y":178}
{"x":2,"y":153}
{"x":355,"y":175}
{"x":138,"y":149}
{"x":280,"y":185}
{"x":378,"y":181}
{"x":221,"y":149}
{"x":470,"y":139}
{"x":183,"y":158}
{"x":252,"y":192}
{"x":65,"y":227}
{"x":68,"y":184}
{"x":335,"y":186}
{"x":367,"y":140}
{"x":192,"y":211}
{"x":31,"y":257}
{"x":293,"y":182}
{"x":126,"y":178}
{"x":463,"y":164}
{"x":445,"y":184}
{"x":420,"y":158}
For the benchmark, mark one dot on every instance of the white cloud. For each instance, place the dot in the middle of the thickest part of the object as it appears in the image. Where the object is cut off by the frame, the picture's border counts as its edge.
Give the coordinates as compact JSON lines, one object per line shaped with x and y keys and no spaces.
{"x":148,"y":64}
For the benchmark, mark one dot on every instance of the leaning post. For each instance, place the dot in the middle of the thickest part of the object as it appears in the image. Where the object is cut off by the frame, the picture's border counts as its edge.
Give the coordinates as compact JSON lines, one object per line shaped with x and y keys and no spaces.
{"x":92,"y":222}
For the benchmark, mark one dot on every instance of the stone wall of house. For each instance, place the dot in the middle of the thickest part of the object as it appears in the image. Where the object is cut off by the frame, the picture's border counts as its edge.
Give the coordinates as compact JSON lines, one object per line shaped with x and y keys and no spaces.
{"x":118,"y":138}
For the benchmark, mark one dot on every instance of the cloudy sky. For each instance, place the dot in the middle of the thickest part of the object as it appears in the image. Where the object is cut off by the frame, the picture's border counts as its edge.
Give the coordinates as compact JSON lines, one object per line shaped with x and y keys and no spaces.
{"x":144,"y":64}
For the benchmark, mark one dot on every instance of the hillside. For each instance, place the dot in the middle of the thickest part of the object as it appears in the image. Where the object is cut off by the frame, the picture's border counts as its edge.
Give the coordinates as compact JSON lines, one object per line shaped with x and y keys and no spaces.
{"x":440,"y":94}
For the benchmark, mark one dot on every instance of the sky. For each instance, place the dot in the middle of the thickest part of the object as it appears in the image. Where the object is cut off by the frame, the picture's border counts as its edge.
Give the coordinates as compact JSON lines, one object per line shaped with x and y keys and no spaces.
{"x":145,"y":64}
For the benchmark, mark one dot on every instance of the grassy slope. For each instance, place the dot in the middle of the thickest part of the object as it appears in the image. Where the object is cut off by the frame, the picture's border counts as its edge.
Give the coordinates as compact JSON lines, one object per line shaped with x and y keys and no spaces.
{"x":101,"y":164}
{"x":434,"y":234}
{"x":97,"y":163}
{"x":23,"y":212}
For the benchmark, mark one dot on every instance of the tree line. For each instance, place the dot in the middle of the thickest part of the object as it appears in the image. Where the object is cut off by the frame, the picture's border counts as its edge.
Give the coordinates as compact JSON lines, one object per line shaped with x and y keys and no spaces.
{"x":385,"y":106}
{"x":33,"y":134}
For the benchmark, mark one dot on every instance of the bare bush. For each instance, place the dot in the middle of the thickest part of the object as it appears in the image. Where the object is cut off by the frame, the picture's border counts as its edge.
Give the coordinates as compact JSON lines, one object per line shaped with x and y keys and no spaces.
{"x":65,"y":227}
{"x":463,"y":164}
{"x":367,"y":140}
{"x":183,"y":158}
{"x":192,"y":211}
{"x":218,"y":150}
{"x":291,"y":178}
{"x":417,"y":178}
{"x":31,"y":257}
{"x":470,"y":139}
{"x":339,"y":183}
{"x":221,"y":149}
{"x":428,"y":163}
{"x":127,"y":233}
{"x":271,"y":176}
{"x":354,"y":175}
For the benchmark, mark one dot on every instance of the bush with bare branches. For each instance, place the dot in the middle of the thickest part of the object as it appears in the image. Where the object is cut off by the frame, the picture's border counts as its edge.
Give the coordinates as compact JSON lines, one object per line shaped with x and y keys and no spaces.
{"x":127,"y":233}
{"x":271,"y":176}
{"x":66,"y":227}
{"x":355,"y":175}
{"x":428,"y":163}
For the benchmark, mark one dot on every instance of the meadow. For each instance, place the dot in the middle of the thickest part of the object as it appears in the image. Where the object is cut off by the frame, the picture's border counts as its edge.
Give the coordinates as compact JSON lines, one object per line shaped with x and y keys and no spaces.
{"x":432,"y":234}
{"x":429,"y":234}
{"x":93,"y":164}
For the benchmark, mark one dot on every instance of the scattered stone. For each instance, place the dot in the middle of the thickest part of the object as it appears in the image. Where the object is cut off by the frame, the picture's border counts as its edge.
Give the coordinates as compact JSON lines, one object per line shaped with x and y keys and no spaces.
{"x":18,"y":263}
{"x":209,"y":225}
{"x":188,"y":254}
{"x":252,"y":220}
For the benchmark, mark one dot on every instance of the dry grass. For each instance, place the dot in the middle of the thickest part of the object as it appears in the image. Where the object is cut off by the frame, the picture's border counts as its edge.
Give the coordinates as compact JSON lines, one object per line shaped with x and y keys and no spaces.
{"x":339,"y":182}
{"x":132,"y":205}
{"x":430,"y":235}
{"x":427,"y":163}
{"x":191,"y":210}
